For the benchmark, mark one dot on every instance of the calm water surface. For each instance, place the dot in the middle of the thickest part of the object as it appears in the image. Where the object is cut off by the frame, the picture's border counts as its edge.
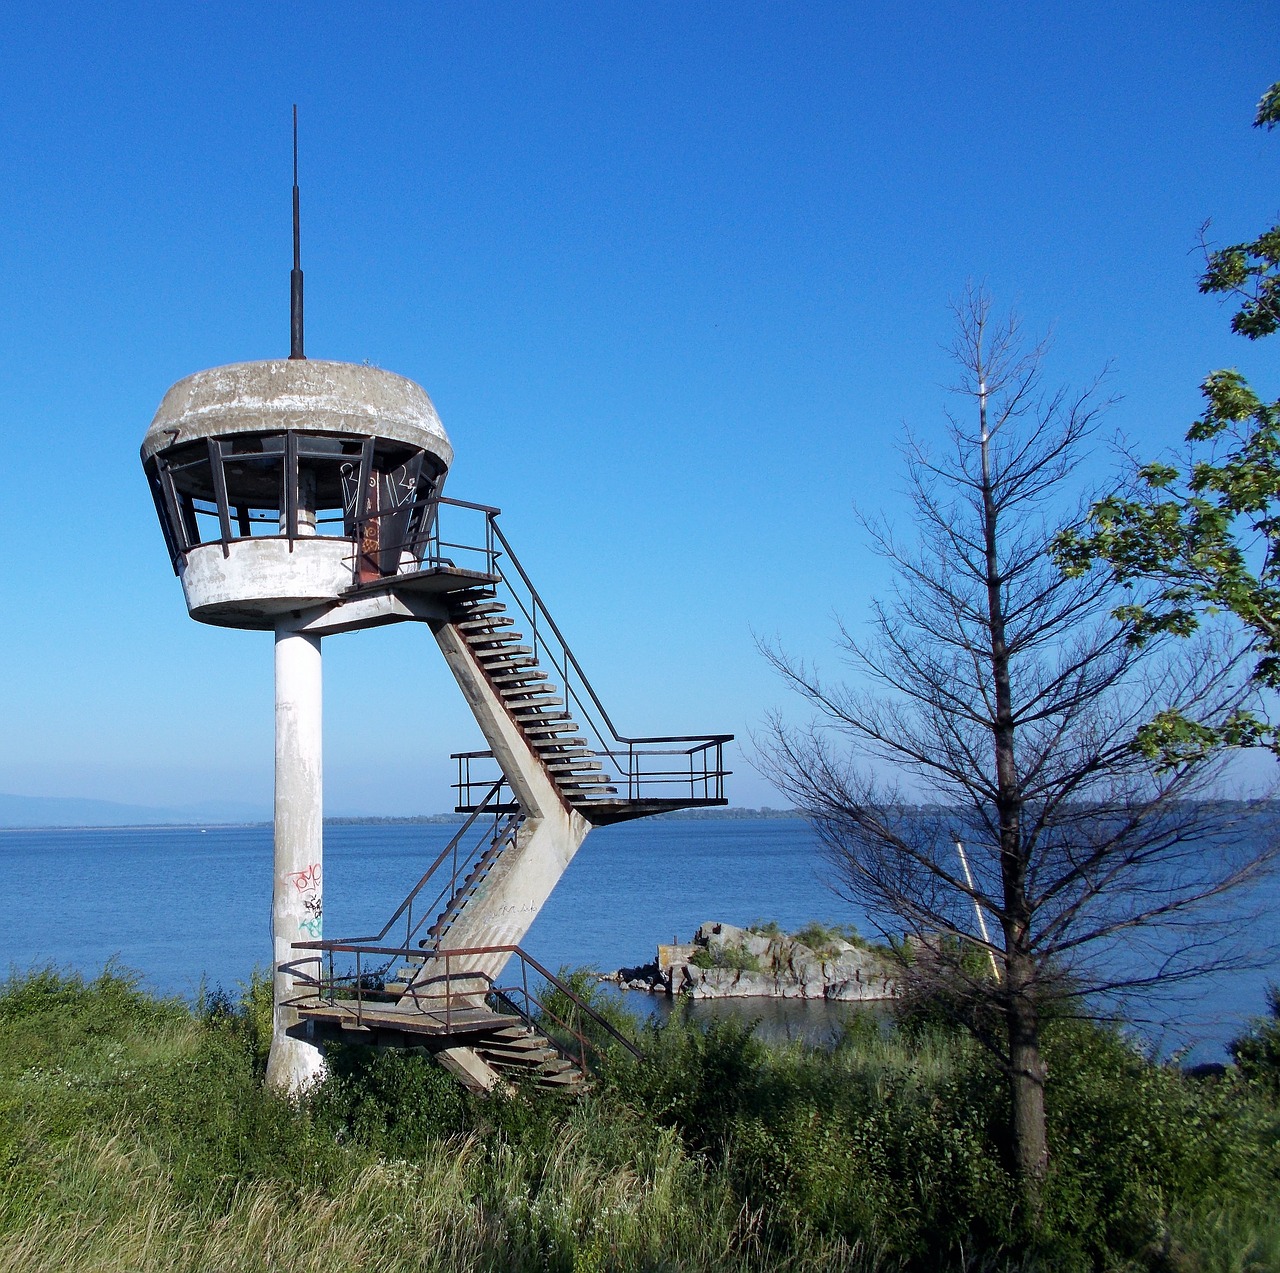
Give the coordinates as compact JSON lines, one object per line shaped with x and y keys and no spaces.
{"x":186,"y":907}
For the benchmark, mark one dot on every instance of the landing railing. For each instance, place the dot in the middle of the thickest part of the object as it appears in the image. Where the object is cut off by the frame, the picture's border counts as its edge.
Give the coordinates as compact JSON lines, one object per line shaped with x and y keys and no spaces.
{"x":455,"y":860}
{"x":387,"y":543}
{"x":639,"y":772}
{"x":448,"y":991}
{"x":673,"y":767}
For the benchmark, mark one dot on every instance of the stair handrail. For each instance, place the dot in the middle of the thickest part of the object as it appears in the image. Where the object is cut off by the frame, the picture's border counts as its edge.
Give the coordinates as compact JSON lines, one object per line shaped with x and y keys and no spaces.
{"x":629,"y":753}
{"x":491,"y":515}
{"x":449,"y":889}
{"x":570,"y":659}
{"x":577,"y":1000}
{"x":355,"y":947}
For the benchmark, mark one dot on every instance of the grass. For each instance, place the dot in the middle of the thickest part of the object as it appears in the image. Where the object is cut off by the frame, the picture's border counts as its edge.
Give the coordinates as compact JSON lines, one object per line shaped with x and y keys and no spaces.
{"x":135,"y":1134}
{"x":738,"y":958}
{"x":822,"y":939}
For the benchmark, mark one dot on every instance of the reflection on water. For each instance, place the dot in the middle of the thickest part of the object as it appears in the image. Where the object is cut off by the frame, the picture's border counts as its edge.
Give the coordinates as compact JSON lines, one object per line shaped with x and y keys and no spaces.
{"x":815,"y":1022}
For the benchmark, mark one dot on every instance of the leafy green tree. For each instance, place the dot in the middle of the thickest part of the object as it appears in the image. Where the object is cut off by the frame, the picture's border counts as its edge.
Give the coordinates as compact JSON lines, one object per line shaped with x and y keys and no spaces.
{"x":1206,"y":533}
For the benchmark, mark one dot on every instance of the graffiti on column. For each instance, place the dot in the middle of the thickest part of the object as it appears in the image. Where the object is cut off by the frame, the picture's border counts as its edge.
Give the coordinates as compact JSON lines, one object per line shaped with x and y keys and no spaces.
{"x":307,"y":882}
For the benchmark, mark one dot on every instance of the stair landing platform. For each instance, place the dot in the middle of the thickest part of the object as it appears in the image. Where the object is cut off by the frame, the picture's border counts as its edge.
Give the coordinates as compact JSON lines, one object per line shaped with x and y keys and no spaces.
{"x":432,"y":580}
{"x":605,"y":812}
{"x":378,"y":1018}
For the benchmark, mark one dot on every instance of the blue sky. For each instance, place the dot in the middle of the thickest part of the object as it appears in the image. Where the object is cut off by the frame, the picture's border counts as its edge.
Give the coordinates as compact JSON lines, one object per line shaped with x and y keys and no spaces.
{"x":673,"y":274}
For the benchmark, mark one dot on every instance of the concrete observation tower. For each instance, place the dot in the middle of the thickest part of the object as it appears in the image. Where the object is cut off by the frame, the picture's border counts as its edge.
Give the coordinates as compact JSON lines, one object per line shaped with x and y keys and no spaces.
{"x":305,"y":498}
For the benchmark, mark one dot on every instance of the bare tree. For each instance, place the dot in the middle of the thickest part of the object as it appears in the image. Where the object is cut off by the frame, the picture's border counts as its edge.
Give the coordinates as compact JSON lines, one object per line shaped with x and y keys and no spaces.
{"x":1006,"y":697}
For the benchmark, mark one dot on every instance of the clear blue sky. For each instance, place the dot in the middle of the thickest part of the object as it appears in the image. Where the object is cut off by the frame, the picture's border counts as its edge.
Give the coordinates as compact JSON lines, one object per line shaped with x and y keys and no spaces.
{"x":674,"y":275}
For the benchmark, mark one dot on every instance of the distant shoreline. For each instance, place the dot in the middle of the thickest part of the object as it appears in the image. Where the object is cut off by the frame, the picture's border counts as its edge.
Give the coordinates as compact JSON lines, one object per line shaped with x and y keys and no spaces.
{"x":423,"y":819}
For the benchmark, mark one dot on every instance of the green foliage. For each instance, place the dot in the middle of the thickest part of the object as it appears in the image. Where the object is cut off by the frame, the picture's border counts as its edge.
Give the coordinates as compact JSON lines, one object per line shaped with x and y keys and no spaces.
{"x":1138,"y":1146}
{"x":560,"y":1018}
{"x":135,"y":1133}
{"x":738,"y":958}
{"x":1257,"y":1053}
{"x":893,"y":1138}
{"x":1204,"y":538}
{"x":822,"y":938}
{"x":395,"y":1102}
{"x":248,"y":1019}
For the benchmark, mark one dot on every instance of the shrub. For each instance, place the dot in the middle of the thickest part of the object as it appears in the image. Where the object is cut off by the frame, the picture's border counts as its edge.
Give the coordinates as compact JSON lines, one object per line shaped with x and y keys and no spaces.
{"x":135,"y":1133}
{"x":1257,"y":1053}
{"x":738,"y":958}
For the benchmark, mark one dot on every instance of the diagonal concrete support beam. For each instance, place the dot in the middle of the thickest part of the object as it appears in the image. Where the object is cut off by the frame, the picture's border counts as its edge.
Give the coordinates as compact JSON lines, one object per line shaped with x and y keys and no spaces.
{"x":518,"y":887}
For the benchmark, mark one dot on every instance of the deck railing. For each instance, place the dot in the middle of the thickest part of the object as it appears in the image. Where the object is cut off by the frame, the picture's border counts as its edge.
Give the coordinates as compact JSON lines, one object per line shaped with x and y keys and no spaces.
{"x":467,"y":536}
{"x":447,"y":988}
{"x":459,"y":856}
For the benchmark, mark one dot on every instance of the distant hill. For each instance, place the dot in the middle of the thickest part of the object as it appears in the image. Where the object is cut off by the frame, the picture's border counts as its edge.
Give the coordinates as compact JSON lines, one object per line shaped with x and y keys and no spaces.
{"x":17,"y":812}
{"x":73,"y":811}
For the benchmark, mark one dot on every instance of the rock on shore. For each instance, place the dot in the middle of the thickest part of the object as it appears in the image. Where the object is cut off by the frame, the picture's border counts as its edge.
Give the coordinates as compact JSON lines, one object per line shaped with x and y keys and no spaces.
{"x":724,"y":962}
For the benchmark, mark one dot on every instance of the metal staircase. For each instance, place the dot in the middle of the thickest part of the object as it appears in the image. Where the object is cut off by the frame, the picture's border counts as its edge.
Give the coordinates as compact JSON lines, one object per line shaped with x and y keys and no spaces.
{"x":512,"y":660}
{"x":538,"y":708}
{"x":604,"y":774}
{"x":420,"y":992}
{"x":459,"y":1014}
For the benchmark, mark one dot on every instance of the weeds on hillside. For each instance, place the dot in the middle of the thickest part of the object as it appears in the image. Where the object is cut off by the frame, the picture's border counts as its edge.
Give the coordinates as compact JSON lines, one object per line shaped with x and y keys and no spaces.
{"x":822,"y":939}
{"x":135,"y":1133}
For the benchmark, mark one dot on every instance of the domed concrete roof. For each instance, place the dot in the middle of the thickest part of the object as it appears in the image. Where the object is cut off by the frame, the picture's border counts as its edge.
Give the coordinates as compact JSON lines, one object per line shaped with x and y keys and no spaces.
{"x":304,"y":394}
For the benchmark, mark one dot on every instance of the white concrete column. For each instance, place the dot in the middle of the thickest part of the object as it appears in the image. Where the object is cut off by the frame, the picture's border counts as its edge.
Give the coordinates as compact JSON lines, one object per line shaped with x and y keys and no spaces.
{"x":297,"y":907}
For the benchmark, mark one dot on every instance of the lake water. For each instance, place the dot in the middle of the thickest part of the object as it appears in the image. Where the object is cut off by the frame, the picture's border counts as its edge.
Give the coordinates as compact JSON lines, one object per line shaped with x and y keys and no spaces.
{"x":186,"y":907}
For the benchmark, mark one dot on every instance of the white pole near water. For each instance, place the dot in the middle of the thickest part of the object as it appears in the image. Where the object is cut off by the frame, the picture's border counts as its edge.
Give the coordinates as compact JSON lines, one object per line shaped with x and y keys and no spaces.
{"x":982,"y":919}
{"x":297,"y":906}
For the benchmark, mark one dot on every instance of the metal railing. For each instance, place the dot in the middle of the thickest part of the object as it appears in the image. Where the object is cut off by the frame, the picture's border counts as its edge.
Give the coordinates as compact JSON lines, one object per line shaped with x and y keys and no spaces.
{"x":450,"y":991}
{"x":686,"y":767}
{"x":639,"y":772}
{"x":460,"y":855}
{"x":424,"y":545}
{"x":676,"y":767}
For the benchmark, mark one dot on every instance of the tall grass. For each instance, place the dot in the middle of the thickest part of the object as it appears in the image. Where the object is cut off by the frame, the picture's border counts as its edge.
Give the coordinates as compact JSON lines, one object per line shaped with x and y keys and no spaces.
{"x":136,"y":1134}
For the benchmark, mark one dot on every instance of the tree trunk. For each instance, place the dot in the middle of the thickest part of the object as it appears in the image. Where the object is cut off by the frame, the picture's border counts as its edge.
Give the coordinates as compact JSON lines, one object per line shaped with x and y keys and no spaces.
{"x":1030,"y":1150}
{"x":1026,"y":1078}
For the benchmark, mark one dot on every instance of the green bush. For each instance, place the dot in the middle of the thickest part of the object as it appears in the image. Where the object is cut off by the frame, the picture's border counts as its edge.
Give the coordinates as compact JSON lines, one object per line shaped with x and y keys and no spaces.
{"x":1257,"y":1053}
{"x":738,"y":958}
{"x":822,"y":939}
{"x":137,"y":1133}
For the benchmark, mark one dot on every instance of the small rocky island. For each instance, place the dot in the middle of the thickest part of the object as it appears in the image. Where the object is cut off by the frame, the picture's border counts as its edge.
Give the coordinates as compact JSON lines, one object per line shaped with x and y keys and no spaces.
{"x":726,"y":962}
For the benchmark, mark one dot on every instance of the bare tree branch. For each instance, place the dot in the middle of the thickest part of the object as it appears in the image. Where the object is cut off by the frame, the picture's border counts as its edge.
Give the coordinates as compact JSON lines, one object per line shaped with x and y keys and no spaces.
{"x":1009,"y":699}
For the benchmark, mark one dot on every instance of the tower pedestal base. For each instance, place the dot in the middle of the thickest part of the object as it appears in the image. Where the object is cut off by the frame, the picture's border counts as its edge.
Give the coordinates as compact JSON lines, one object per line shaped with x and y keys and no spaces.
{"x":297,"y":906}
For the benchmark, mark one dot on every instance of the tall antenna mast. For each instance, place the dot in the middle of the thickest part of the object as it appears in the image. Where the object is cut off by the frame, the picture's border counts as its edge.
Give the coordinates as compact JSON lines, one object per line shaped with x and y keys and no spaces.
{"x":295,"y":278}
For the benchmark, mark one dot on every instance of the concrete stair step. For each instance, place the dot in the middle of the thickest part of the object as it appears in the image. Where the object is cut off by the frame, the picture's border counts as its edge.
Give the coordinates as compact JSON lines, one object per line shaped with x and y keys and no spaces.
{"x":516,"y":1030}
{"x":539,"y":1073}
{"x":532,"y":709}
{"x":522,"y":702}
{"x":533,"y":1055}
{"x":513,"y":663}
{"x":485,"y":623}
{"x":529,"y":691}
{"x":571,"y":1078}
{"x":499,"y":650}
{"x":517,"y":676}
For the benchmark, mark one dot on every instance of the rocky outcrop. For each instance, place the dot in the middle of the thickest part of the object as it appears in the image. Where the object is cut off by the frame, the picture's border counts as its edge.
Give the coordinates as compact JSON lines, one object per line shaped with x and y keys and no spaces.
{"x":724,"y":962}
